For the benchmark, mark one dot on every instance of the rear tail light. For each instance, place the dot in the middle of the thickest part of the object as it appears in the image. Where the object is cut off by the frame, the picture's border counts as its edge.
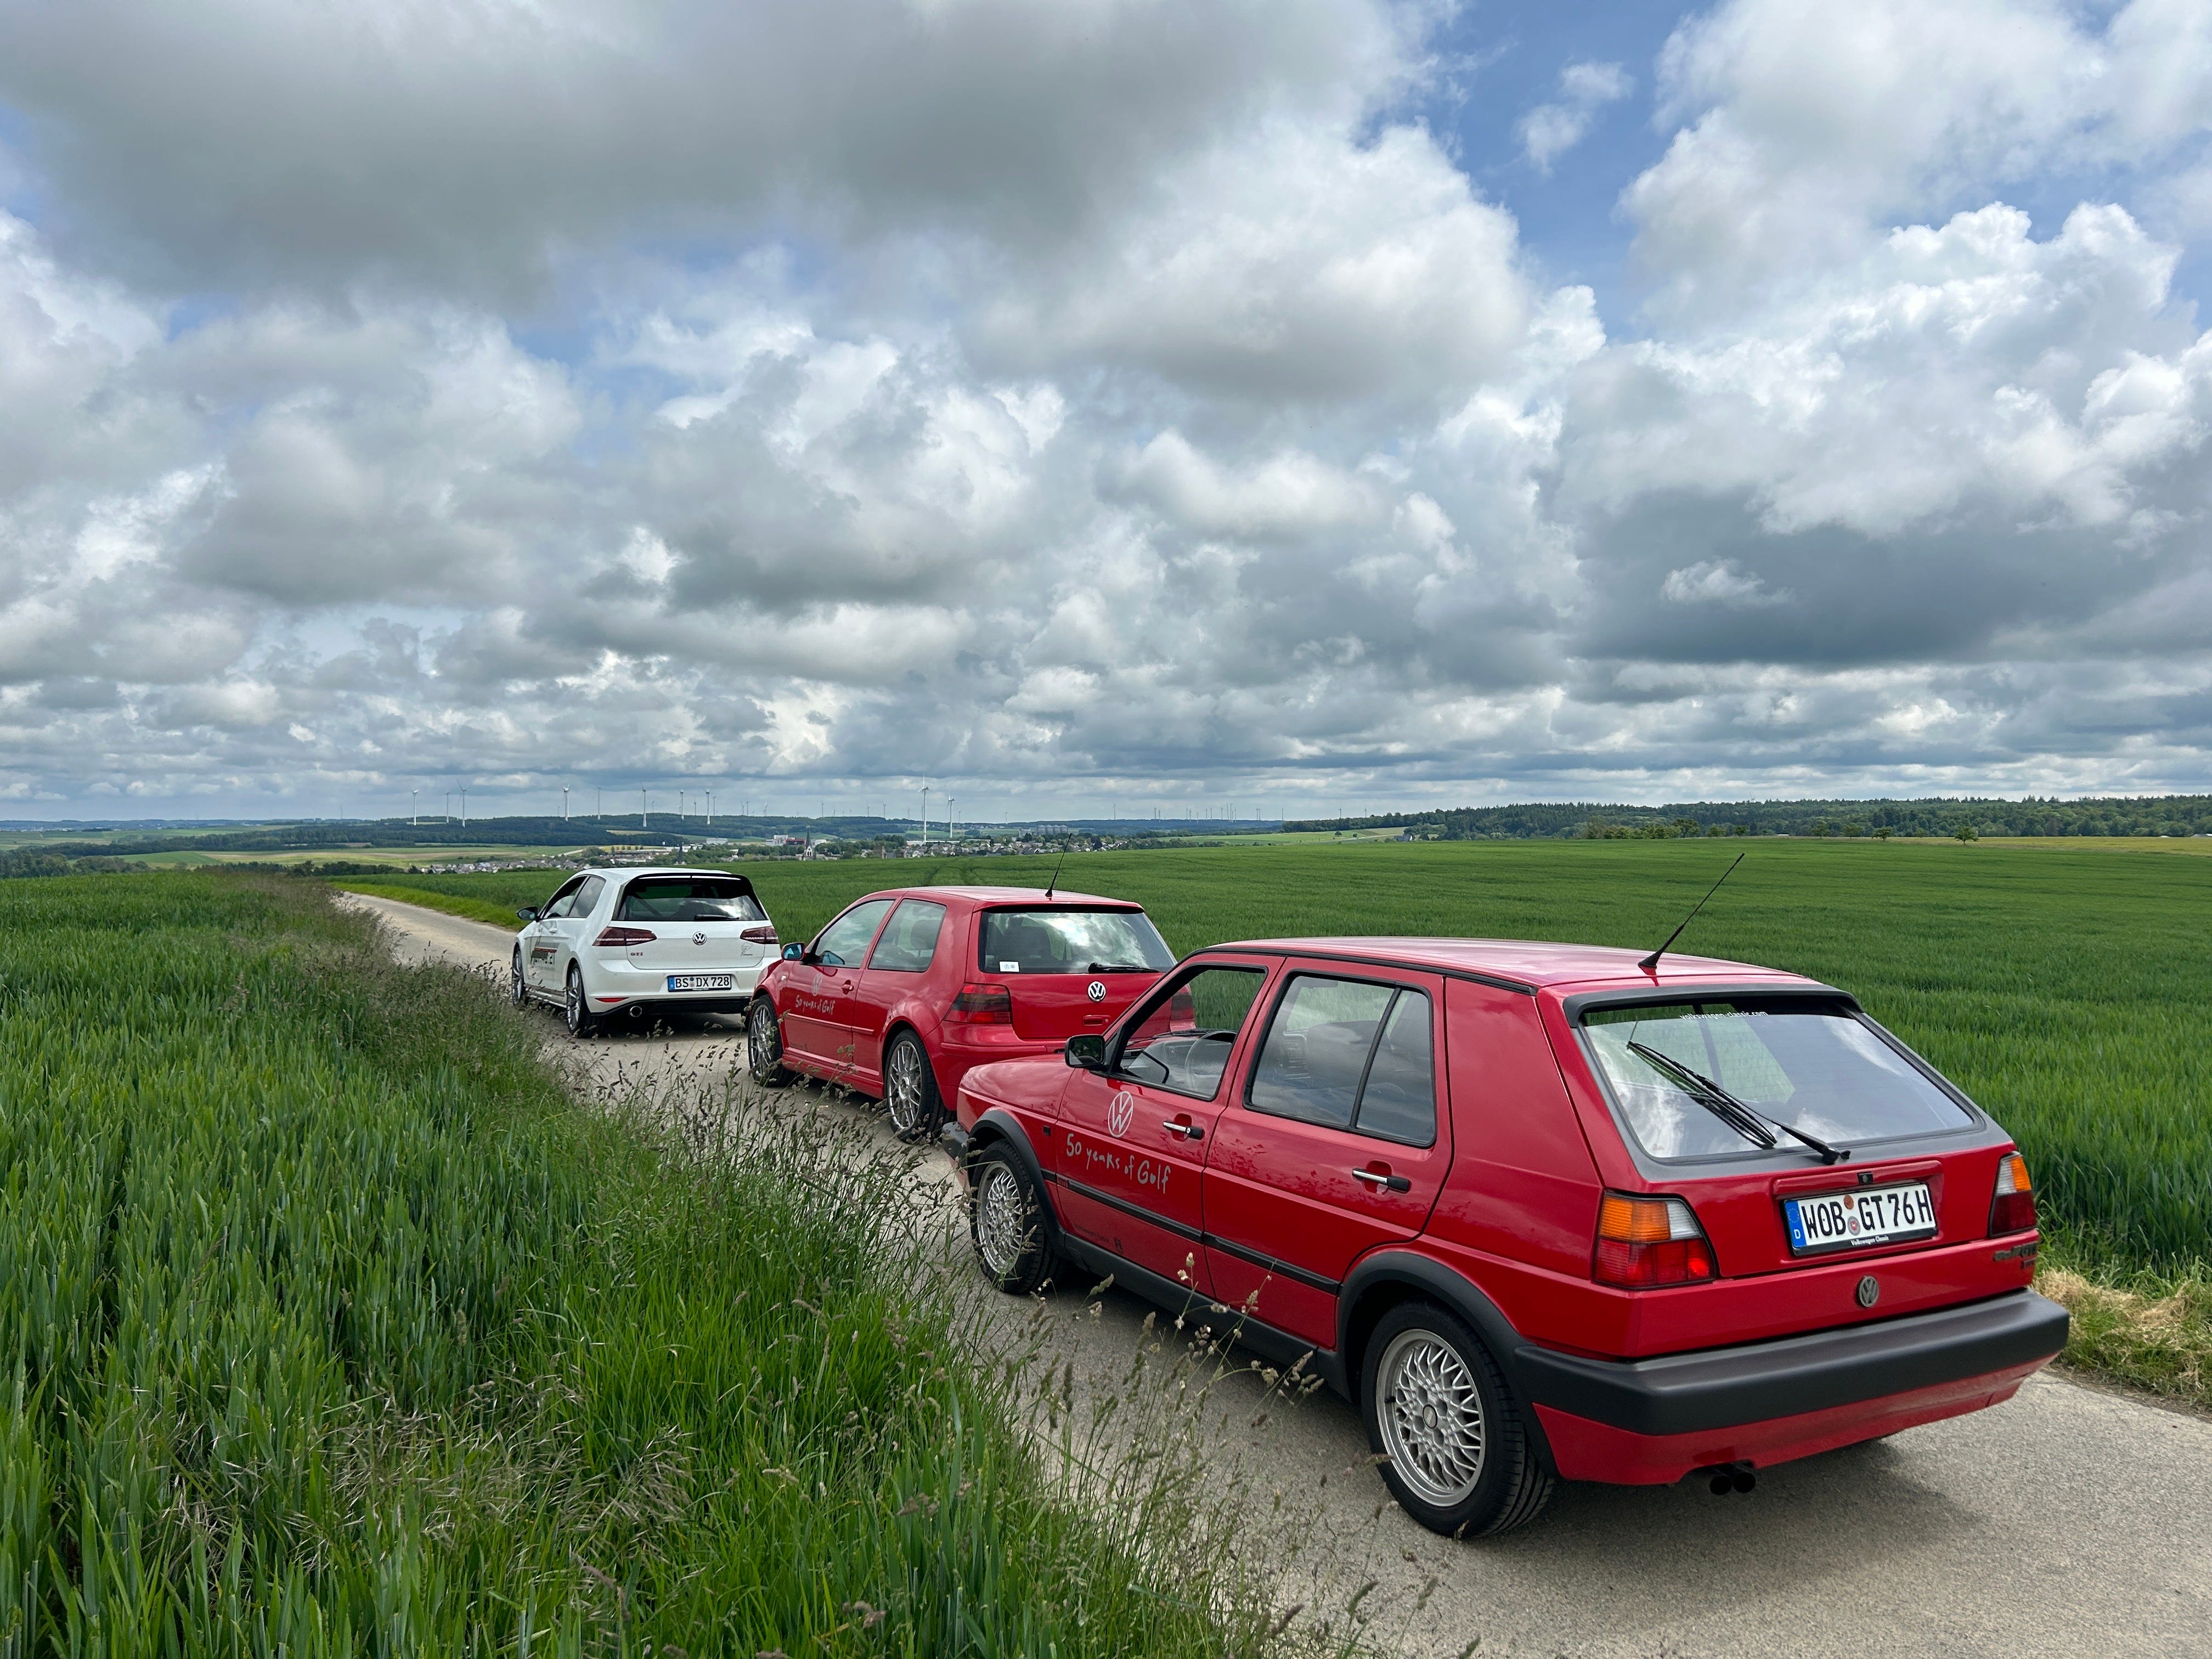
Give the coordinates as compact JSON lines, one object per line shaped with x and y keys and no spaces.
{"x":1182,"y":1012}
{"x":2013,"y":1209}
{"x":624,"y":936}
{"x":1643,"y":1242}
{"x":984,"y":1005}
{"x":758,"y":936}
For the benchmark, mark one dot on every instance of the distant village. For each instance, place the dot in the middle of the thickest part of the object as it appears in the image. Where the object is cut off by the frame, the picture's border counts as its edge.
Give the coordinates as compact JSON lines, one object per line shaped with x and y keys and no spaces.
{"x":782,"y":847}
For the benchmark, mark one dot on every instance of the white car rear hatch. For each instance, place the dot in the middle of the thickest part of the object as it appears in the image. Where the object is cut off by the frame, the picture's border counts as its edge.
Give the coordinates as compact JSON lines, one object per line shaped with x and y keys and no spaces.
{"x":703,"y":923}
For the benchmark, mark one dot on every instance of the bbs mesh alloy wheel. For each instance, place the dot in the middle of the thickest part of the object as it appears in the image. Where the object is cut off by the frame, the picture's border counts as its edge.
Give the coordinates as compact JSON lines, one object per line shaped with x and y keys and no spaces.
{"x":574,"y":1009}
{"x":1006,"y":1220}
{"x":910,"y":1094}
{"x":1455,"y":1452}
{"x":764,"y":1045}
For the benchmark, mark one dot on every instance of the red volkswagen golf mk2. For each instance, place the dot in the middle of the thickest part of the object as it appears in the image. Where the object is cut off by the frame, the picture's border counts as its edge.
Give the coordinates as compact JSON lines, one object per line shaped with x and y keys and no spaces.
{"x":1541,"y":1213}
{"x":906,"y":990}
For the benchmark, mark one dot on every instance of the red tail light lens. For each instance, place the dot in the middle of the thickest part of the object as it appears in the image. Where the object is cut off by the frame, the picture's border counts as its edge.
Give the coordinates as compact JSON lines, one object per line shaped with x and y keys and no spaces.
{"x":758,"y":936}
{"x":2013,"y":1209}
{"x":1644,"y":1243}
{"x":624,"y":936}
{"x":984,"y":1005}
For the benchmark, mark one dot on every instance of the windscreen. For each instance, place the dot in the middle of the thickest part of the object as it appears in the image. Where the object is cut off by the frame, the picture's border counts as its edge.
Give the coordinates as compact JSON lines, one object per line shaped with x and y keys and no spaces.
{"x":1816,"y":1067}
{"x":1062,"y":940}
{"x":689,"y":898}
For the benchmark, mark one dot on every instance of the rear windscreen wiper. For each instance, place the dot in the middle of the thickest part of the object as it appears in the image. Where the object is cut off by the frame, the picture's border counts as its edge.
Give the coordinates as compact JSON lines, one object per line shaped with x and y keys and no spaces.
{"x":1117,"y":967}
{"x":1754,"y":1126}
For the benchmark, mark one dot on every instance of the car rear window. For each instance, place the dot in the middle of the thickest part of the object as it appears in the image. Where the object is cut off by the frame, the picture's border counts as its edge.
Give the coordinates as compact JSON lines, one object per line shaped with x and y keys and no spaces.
{"x":1065,"y":940}
{"x":689,"y":898}
{"x":1814,"y":1067}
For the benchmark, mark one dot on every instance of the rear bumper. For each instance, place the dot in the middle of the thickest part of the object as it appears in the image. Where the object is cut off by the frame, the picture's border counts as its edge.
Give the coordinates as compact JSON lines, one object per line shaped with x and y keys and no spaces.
{"x":1650,"y":1420}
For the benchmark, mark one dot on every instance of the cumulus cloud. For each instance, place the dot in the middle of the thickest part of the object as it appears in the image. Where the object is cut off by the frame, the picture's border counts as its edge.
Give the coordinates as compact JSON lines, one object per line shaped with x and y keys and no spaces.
{"x":1091,"y":402}
{"x":1550,"y":130}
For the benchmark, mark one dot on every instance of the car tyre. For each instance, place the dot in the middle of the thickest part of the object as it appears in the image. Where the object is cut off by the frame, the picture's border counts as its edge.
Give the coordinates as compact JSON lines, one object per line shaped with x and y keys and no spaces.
{"x":517,"y":986}
{"x":765,"y":1045}
{"x":574,"y":1008}
{"x":910,"y":1094}
{"x":1452,"y":1445}
{"x":1007,"y":1222}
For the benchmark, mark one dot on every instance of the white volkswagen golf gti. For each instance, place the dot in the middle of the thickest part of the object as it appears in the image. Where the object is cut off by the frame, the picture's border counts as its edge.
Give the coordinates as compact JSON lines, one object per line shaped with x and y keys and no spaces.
{"x":632,"y":943}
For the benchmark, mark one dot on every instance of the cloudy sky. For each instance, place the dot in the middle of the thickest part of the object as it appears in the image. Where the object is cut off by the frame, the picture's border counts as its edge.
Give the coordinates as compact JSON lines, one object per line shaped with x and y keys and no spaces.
{"x":1076,"y":404}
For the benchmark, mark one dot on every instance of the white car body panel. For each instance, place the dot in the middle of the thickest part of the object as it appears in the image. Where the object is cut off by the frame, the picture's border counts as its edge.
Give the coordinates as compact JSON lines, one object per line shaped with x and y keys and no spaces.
{"x":634,"y":974}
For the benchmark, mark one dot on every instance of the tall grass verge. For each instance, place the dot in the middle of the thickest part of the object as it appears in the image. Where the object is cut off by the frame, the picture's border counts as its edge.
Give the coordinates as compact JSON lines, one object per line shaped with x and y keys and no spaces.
{"x":330,"y":1322}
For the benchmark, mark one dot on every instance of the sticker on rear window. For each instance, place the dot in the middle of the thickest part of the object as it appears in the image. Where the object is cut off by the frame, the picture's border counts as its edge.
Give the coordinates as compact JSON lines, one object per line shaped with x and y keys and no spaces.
{"x":1009,"y":967}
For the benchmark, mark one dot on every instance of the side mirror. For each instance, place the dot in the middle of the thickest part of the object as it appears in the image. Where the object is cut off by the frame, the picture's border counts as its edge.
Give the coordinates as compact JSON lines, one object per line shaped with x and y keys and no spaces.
{"x":528,"y":912}
{"x":1087,"y":1053}
{"x":794,"y":952}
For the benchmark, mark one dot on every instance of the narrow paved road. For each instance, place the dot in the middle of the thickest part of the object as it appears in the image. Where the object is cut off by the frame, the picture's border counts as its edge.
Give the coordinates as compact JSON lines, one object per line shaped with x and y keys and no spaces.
{"x":2069,"y":1522}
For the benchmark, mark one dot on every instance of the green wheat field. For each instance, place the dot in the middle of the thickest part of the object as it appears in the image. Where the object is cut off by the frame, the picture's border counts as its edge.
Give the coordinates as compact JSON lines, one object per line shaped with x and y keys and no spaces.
{"x":2069,"y":994}
{"x":331,"y":1322}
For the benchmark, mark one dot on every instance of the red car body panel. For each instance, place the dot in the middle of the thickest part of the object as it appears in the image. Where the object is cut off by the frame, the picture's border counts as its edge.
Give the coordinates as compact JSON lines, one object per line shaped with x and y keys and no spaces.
{"x":1261,"y":1215}
{"x":837,"y":1020}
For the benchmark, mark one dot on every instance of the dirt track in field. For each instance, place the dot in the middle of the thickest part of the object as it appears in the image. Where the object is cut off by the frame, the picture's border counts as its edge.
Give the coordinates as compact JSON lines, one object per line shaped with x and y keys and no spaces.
{"x":2072,"y":1520}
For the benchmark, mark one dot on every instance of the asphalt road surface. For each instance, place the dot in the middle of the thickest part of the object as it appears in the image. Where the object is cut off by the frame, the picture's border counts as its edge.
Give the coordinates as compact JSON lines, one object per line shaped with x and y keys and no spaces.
{"x":2072,"y":1520}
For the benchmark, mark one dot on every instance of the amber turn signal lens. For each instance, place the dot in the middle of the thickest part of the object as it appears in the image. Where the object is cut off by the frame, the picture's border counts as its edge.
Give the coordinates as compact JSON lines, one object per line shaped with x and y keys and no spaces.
{"x":1644,"y":1243}
{"x":2011,"y":1210}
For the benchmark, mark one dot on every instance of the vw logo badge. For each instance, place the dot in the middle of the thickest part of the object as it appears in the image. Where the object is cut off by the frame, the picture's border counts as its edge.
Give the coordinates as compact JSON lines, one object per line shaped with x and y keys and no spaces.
{"x":1097,"y":993}
{"x":1119,"y":1111}
{"x":1869,"y":1292}
{"x":698,"y":939}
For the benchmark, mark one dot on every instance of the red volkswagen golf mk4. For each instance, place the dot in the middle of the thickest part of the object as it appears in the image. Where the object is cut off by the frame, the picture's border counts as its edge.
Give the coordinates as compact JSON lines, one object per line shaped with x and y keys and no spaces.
{"x":1541,"y":1213}
{"x":907,"y":989}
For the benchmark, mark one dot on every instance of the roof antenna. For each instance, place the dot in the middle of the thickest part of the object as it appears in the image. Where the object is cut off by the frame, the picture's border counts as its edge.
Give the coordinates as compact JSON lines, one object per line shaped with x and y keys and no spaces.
{"x":1651,"y":963}
{"x":1054,"y":882}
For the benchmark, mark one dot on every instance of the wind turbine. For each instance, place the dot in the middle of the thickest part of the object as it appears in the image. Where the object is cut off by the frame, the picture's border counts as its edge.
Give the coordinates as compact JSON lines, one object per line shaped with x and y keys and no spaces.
{"x":925,"y":817}
{"x":564,"y":803}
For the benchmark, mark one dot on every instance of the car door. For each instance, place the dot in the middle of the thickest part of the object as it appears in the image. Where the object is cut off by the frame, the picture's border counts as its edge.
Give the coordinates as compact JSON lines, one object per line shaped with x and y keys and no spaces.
{"x":1334,"y":1146}
{"x":817,"y":1024}
{"x":541,"y":940}
{"x":1133,"y":1137}
{"x":898,"y":961}
{"x":574,"y":929}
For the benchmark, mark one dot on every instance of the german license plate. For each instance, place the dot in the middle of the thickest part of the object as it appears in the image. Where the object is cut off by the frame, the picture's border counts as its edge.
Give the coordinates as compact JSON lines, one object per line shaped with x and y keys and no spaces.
{"x":1852,"y":1221}
{"x":702,"y":982}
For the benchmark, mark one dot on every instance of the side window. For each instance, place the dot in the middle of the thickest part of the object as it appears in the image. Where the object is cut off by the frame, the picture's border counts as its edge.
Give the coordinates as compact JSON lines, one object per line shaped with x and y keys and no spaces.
{"x":844,"y":940}
{"x":910,"y":941}
{"x":1180,"y":1039}
{"x":561,"y":901}
{"x":1399,"y":1100}
{"x":1350,"y":1055}
{"x":588,"y":896}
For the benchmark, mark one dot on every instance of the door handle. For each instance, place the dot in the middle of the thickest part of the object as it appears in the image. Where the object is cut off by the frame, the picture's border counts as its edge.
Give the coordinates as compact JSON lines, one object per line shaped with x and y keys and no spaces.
{"x":1186,"y":1131}
{"x":1381,"y":1182}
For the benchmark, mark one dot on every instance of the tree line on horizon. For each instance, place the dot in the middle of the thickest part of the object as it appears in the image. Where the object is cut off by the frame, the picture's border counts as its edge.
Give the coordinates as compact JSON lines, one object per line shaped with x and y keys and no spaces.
{"x":2162,"y":815}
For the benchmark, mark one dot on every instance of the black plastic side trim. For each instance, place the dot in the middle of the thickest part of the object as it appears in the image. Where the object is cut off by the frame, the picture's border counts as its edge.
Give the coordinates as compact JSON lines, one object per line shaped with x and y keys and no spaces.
{"x":1720,"y":1388}
{"x":1128,"y":1208}
{"x":1277,"y":1346}
{"x":1281,"y":1269}
{"x":1212,"y":1241}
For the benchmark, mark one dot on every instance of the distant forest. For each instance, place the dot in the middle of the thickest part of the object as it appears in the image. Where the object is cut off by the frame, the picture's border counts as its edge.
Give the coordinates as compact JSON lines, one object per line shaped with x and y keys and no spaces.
{"x":2161,"y":815}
